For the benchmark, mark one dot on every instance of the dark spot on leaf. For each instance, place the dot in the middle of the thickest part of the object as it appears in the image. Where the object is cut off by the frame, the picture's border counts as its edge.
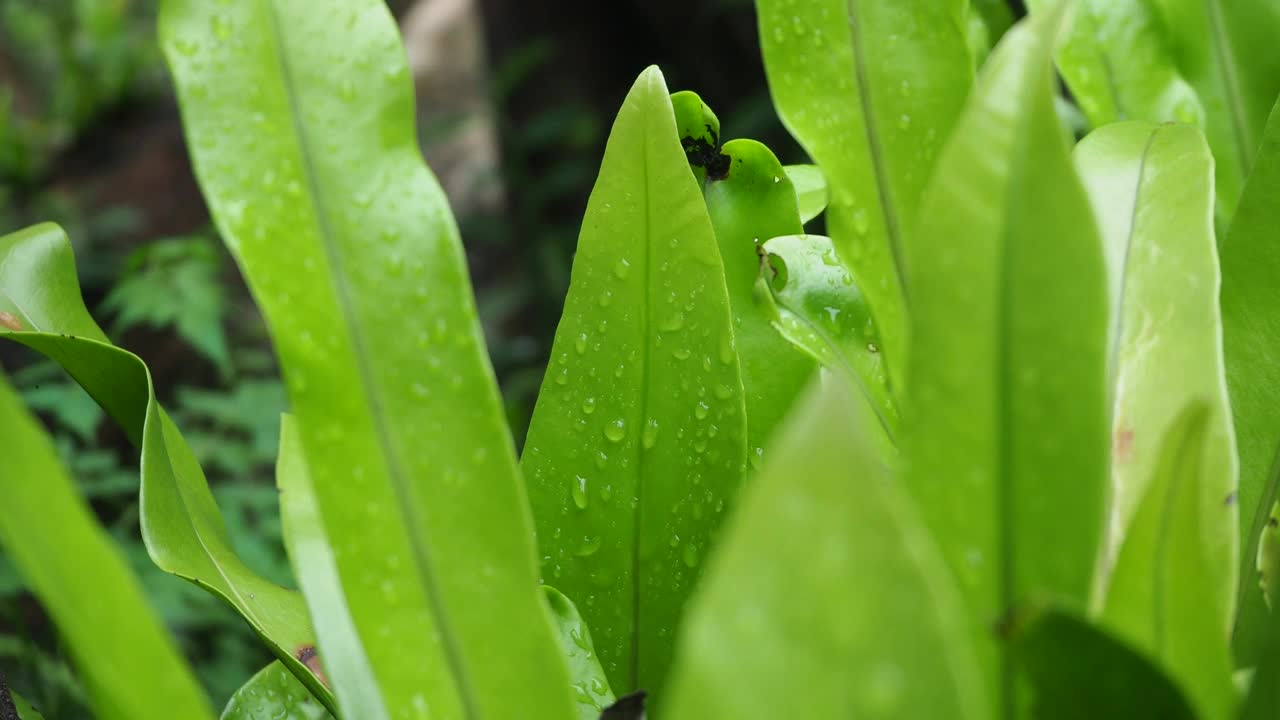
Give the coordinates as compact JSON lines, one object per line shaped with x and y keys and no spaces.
{"x":1230,"y":499}
{"x":1122,"y":445}
{"x":10,"y":321}
{"x":308,"y":656}
{"x":628,"y":707}
{"x":707,"y":155}
{"x":1273,"y":522}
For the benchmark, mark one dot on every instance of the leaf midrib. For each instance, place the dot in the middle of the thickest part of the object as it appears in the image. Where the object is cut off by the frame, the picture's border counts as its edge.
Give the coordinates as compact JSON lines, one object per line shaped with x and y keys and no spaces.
{"x":1224,"y":53}
{"x":342,"y":292}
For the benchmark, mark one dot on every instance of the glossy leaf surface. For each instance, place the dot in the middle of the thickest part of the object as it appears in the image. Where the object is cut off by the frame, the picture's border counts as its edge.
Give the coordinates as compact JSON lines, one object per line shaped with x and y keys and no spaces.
{"x":871,"y":90}
{"x":299,"y":115}
{"x":340,"y":654}
{"x":638,"y":440}
{"x":1250,"y":256}
{"x":823,"y":310}
{"x":110,"y":632}
{"x":1077,"y":670}
{"x":181,"y":526}
{"x":1209,"y":62}
{"x":1151,"y":187}
{"x":590,"y":686}
{"x":1007,"y":433}
{"x":1163,"y":597}
{"x":811,"y":190}
{"x":274,"y":694}
{"x":753,"y":203}
{"x":826,"y":597}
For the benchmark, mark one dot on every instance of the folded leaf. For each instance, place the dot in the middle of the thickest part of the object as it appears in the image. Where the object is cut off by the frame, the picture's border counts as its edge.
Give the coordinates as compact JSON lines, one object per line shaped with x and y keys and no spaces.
{"x":1151,"y":187}
{"x":1250,"y":257}
{"x":299,"y":116}
{"x":274,"y":694}
{"x":638,"y":440}
{"x":1162,"y":598}
{"x":826,"y":597}
{"x":590,"y":686}
{"x":1007,"y":425}
{"x":1077,"y":670}
{"x":341,"y":658}
{"x":181,"y":526}
{"x":811,"y":190}
{"x":871,"y":90}
{"x":751,"y":203}
{"x":822,"y":310}
{"x":129,"y":665}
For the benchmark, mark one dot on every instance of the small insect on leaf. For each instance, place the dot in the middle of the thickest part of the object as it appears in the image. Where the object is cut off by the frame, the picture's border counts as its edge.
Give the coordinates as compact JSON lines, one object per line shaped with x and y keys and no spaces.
{"x":308,"y":656}
{"x":10,"y":321}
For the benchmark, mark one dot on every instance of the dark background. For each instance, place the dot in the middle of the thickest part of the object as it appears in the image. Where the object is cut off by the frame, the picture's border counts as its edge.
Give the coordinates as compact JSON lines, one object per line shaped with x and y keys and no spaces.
{"x":90,"y":138}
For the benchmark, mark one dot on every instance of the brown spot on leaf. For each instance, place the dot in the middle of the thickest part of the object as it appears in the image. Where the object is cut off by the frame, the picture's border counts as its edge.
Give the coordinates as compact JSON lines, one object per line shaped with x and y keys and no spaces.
{"x":1122,"y":445}
{"x":1230,"y":499}
{"x":308,"y":656}
{"x":10,"y":321}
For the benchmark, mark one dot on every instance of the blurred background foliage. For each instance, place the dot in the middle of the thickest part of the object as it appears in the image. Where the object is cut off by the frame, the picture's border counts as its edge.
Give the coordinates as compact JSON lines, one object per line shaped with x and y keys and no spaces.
{"x":515,"y":102}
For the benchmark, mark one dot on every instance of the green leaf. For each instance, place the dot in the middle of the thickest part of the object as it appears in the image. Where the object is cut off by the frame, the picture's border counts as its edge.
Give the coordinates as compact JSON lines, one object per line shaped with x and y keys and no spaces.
{"x":822,"y":310}
{"x":1262,"y":702}
{"x":752,"y":203}
{"x":181,"y":526}
{"x":1269,"y":558}
{"x":1209,"y":62}
{"x":590,"y":686}
{"x":638,"y":440}
{"x":1162,"y":597}
{"x":699,"y":131}
{"x":311,"y":553}
{"x":1118,"y":61}
{"x":811,"y":190}
{"x":871,"y":90}
{"x":996,"y":14}
{"x":826,"y":597}
{"x":1078,"y":670}
{"x":1250,"y":257}
{"x":299,"y":115}
{"x":1007,"y":431}
{"x":1151,"y":187}
{"x":129,"y":665}
{"x":24,"y":709}
{"x":274,"y":694}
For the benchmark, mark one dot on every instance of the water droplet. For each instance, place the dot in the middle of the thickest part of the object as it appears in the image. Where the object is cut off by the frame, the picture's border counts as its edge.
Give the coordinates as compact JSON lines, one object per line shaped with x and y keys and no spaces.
{"x":601,"y":459}
{"x":724,"y":392}
{"x":691,"y":555}
{"x":579,"y":492}
{"x":589,"y":405}
{"x":606,"y":493}
{"x":562,"y":378}
{"x":861,"y":222}
{"x":221,"y":27}
{"x":675,"y":541}
{"x":615,"y":430}
{"x":590,"y":546}
{"x":621,"y":269}
{"x":673,"y":322}
{"x":756,"y":457}
{"x":606,"y":298}
{"x":726,"y":347}
{"x":649,"y":437}
{"x":872,"y":347}
{"x":904,"y":122}
{"x":701,"y":409}
{"x":680,"y":353}
{"x":580,"y":343}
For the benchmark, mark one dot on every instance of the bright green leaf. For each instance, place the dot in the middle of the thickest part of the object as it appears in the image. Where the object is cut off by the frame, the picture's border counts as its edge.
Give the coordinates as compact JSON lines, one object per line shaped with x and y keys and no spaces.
{"x":1077,"y":670}
{"x":1161,"y":597}
{"x":826,"y":596}
{"x":590,"y":686}
{"x":752,"y":203}
{"x":821,"y":309}
{"x":811,"y":190}
{"x":24,"y":709}
{"x":311,"y":553}
{"x":129,"y":665}
{"x":274,"y":694}
{"x":299,"y":116}
{"x":1007,"y":425}
{"x":638,"y":441}
{"x":181,"y":526}
{"x":871,"y":89}
{"x":1151,"y":187}
{"x":1250,"y":257}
